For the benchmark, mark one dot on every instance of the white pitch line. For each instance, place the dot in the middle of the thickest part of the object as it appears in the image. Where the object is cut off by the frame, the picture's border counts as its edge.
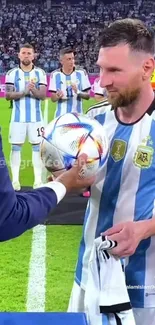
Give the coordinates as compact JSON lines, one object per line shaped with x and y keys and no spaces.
{"x":37,"y":271}
{"x":45,"y":116}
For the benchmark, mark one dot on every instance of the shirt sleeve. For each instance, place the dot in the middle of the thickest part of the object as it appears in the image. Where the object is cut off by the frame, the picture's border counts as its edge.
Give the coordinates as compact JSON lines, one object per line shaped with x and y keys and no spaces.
{"x":43,"y":78}
{"x":52,"y":83}
{"x":21,"y":211}
{"x":85,"y":81}
{"x":97,"y":89}
{"x":9,"y":78}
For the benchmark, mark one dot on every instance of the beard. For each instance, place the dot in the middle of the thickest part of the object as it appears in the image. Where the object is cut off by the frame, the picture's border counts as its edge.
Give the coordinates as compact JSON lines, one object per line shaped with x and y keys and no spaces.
{"x":125,"y":98}
{"x":26,"y":62}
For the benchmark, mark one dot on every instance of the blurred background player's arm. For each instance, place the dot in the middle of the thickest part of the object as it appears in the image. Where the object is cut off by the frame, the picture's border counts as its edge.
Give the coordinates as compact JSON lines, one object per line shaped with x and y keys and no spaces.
{"x":99,"y":92}
{"x":11,"y":94}
{"x":56,"y":94}
{"x":82,"y":94}
{"x":99,"y":97}
{"x":85,"y":85}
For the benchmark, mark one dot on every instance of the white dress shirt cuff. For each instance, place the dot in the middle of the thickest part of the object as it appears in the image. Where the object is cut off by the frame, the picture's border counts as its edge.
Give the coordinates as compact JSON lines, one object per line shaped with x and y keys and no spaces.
{"x":58,"y":188}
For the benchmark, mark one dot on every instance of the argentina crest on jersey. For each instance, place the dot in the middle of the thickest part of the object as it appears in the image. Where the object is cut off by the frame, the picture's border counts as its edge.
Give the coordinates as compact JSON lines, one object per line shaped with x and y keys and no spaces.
{"x":144,"y":154}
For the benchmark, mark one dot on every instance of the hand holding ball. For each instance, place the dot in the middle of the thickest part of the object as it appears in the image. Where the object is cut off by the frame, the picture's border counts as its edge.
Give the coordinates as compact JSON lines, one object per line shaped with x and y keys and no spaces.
{"x":69,"y":136}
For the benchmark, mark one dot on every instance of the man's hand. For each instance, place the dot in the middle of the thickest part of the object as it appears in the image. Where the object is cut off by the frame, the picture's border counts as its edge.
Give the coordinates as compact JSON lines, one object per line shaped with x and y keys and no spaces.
{"x":59,"y":94}
{"x":31,"y":86}
{"x":74,"y":87}
{"x":127,"y":235}
{"x":72,"y":178}
{"x":38,"y":93}
{"x":55,"y":175}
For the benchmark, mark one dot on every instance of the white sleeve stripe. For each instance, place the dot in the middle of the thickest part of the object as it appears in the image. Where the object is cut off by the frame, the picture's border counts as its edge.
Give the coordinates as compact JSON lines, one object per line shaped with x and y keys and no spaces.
{"x":86,"y":89}
{"x":99,"y":94}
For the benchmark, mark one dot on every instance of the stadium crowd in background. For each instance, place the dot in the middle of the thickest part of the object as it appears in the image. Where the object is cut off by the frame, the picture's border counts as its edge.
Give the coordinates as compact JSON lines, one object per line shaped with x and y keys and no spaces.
{"x":75,"y":23}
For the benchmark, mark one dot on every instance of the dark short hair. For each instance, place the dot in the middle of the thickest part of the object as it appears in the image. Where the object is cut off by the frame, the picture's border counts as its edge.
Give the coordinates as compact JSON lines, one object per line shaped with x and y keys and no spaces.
{"x":66,"y":50}
{"x":128,"y":31}
{"x":27,"y":46}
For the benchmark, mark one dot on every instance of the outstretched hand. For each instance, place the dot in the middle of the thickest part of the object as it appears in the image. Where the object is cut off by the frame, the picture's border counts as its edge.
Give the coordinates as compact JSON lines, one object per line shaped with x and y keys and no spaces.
{"x":72,"y":179}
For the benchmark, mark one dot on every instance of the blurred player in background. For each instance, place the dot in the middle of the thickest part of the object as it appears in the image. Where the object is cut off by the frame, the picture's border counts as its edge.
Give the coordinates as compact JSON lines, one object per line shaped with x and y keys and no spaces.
{"x":26,"y":86}
{"x":69,"y":85}
{"x":99,"y":92}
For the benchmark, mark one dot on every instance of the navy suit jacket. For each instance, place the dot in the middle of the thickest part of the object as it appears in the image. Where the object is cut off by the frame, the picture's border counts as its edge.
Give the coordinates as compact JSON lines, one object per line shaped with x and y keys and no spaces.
{"x":24,"y":210}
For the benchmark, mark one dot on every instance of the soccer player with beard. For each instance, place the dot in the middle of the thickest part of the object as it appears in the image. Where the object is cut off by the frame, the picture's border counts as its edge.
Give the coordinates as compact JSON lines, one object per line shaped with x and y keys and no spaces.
{"x":122,"y":202}
{"x":26,"y":86}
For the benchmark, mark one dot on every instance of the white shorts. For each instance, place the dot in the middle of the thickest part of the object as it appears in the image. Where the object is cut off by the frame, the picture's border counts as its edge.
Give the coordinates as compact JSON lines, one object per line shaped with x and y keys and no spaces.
{"x":143,"y":316}
{"x":18,"y":132}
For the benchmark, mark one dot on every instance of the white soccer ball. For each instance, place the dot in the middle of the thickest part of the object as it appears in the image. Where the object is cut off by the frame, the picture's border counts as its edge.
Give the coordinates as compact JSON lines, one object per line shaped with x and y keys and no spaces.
{"x":70,"y":135}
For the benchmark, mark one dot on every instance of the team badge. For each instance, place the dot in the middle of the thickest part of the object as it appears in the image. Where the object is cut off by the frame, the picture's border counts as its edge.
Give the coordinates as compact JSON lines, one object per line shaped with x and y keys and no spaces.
{"x":68,"y":83}
{"x":118,"y":150}
{"x":144,"y":154}
{"x":34,"y":80}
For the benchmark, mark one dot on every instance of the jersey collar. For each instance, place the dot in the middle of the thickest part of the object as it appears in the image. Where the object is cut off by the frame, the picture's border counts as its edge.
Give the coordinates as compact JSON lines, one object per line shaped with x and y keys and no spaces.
{"x":67,"y":74}
{"x":27,"y":71}
{"x":149,"y":111}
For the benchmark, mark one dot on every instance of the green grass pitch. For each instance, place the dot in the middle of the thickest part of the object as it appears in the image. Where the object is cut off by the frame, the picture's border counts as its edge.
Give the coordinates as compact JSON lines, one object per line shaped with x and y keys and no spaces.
{"x":15,"y":254}
{"x":62,"y":249}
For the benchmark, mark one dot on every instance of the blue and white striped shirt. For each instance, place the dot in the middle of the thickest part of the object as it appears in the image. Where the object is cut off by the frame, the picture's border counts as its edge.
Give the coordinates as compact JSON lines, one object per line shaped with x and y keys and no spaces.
{"x":26,"y":109}
{"x":124,"y":191}
{"x":61,"y":81}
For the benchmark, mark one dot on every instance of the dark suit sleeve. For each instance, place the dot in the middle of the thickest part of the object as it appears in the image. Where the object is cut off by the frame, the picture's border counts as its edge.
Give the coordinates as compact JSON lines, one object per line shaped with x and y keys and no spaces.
{"x":22,"y":211}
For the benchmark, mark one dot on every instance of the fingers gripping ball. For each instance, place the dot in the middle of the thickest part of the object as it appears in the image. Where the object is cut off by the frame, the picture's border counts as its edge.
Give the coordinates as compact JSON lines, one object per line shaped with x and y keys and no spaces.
{"x":70,"y":135}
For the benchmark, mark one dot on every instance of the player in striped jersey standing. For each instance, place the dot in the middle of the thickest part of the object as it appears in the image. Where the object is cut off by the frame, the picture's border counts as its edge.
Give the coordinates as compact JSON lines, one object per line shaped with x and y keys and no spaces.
{"x":122,"y":202}
{"x":26,"y":86}
{"x":69,"y":85}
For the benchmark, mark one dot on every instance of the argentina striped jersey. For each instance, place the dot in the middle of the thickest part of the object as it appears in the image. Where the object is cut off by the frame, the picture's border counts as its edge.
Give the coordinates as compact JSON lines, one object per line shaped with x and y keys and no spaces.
{"x":26,"y":109}
{"x":61,"y":81}
{"x":124,"y":191}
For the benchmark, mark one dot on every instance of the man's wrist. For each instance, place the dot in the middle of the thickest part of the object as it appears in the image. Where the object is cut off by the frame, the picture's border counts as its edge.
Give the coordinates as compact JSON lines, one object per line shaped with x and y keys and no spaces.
{"x":58,"y":97}
{"x":146,"y":228}
{"x":25,"y":93}
{"x":58,"y":187}
{"x":78,"y":93}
